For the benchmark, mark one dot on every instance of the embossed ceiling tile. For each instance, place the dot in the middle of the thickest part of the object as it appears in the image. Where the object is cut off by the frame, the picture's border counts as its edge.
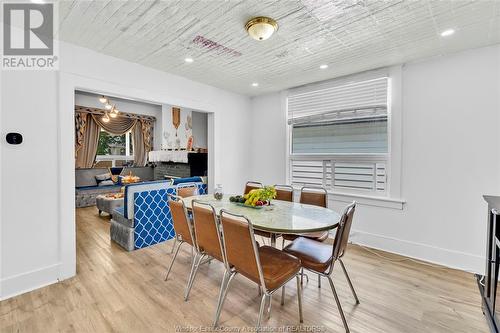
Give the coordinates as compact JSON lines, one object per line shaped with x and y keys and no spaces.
{"x":349,"y":35}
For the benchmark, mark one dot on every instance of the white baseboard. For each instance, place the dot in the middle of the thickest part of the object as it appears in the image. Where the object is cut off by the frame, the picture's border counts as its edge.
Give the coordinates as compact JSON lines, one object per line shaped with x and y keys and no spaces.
{"x":449,"y":258}
{"x":25,"y":282}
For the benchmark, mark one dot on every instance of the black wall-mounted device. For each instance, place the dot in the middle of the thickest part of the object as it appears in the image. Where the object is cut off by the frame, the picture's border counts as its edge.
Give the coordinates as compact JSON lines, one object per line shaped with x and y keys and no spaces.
{"x":14,"y":138}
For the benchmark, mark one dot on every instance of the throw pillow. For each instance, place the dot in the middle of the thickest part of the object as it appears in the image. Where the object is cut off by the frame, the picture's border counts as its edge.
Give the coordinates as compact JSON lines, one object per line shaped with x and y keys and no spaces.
{"x":102,"y":177}
{"x":106,"y":183}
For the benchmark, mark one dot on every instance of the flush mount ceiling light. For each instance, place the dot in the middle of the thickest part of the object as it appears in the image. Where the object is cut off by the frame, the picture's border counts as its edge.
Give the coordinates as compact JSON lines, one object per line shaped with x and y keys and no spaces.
{"x":324,"y":66}
{"x":261,"y":28}
{"x":447,"y":32}
{"x":255,"y":84}
{"x":188,"y":60}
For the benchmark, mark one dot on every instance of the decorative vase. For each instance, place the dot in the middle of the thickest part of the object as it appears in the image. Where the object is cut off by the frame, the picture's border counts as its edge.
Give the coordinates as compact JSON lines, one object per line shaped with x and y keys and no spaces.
{"x":218,"y":192}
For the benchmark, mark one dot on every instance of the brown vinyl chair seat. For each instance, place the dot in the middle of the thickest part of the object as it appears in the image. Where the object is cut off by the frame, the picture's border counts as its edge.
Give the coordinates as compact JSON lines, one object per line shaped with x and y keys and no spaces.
{"x":277,"y":267}
{"x":320,"y":236}
{"x":314,"y":255}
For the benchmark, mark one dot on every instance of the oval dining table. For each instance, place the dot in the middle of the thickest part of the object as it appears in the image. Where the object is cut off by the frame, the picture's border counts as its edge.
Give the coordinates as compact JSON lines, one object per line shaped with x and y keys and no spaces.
{"x":281,"y":217}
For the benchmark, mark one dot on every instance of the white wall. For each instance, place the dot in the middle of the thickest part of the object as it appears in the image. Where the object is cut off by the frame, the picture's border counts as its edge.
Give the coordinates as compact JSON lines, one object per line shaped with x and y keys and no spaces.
{"x":170,"y":135}
{"x":37,"y":177}
{"x":128,"y":106}
{"x":200,"y":127}
{"x":268,"y":139}
{"x":450,"y":158}
{"x":29,"y":181}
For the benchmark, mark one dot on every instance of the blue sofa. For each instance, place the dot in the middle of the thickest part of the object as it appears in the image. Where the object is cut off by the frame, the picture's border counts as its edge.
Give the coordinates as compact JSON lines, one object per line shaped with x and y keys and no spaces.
{"x":145,"y":218}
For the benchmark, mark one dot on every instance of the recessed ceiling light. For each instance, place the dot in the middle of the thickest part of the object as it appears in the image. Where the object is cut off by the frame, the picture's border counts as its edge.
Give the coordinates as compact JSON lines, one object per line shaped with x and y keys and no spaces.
{"x":255,"y":84}
{"x":447,"y":32}
{"x":324,"y":66}
{"x":188,"y":60}
{"x":37,"y":1}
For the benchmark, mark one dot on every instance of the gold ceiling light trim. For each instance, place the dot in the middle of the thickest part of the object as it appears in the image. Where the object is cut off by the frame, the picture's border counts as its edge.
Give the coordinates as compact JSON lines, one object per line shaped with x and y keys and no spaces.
{"x":261,"y":27}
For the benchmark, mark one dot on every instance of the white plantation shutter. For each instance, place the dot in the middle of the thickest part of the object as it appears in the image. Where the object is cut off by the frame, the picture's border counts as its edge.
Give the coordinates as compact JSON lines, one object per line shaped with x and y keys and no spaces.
{"x":340,"y":173}
{"x":339,"y":136}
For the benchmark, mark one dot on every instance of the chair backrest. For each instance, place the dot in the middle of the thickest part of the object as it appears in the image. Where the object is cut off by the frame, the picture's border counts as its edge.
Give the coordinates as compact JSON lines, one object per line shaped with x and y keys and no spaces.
{"x":182,"y":224}
{"x":251,"y":185}
{"x":187,"y":190}
{"x":316,"y":196}
{"x":343,"y":230}
{"x":284,"y":192}
{"x":206,"y":230}
{"x":241,"y":249}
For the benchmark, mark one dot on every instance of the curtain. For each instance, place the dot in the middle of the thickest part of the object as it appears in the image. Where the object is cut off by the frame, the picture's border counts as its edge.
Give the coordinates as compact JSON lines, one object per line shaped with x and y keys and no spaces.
{"x":87,"y":138}
{"x":116,"y":126}
{"x":138,"y":144}
{"x":142,"y":139}
{"x":80,"y":126}
{"x":147,"y":131}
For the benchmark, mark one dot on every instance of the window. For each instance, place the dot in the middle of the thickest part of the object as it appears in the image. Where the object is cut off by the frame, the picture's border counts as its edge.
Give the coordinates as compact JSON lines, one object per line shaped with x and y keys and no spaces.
{"x":114,"y":150}
{"x":339,"y":136}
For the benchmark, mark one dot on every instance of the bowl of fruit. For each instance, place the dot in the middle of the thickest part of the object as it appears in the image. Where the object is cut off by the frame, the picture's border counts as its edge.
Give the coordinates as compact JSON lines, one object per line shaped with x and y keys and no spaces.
{"x":256,"y":198}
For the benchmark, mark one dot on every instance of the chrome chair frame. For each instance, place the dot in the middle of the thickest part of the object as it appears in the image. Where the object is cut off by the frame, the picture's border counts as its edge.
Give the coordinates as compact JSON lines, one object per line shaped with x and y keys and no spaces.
{"x":335,"y":257}
{"x":199,"y":255}
{"x":178,"y":241}
{"x":266,"y":294}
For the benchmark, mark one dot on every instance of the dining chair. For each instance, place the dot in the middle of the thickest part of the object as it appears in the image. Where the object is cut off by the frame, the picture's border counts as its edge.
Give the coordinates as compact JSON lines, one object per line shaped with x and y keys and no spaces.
{"x":251,"y":185}
{"x":187,"y":190}
{"x":284,"y":192}
{"x":208,"y":239}
{"x":316,"y":196}
{"x":320,"y":257}
{"x":184,"y":233}
{"x":267,"y":266}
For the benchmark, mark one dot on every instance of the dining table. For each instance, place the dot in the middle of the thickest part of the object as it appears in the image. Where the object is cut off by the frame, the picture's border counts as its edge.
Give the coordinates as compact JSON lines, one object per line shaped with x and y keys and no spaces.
{"x":280,"y":217}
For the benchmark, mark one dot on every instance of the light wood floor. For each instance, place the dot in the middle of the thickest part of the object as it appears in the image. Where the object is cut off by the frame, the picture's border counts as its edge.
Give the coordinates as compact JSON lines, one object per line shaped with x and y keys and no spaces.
{"x":118,"y":291}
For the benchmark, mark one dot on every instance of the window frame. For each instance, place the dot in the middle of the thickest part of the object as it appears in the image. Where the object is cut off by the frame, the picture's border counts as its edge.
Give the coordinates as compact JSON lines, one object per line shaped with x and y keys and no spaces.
{"x":391,"y":196}
{"x":113,"y":158}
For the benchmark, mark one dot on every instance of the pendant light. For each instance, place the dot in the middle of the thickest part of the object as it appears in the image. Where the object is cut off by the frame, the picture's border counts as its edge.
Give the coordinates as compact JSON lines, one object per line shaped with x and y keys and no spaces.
{"x":113,"y":112}
{"x":103,"y":100}
{"x":105,"y":118}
